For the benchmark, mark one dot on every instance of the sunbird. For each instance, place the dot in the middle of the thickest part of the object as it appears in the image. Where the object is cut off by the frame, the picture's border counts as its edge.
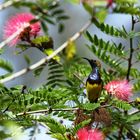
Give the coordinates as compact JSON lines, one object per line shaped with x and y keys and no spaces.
{"x":94,"y":83}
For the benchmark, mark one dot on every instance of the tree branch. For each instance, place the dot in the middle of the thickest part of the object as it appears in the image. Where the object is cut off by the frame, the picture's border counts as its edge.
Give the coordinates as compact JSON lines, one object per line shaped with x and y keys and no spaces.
{"x":45,"y":111}
{"x":8,"y":3}
{"x":47,"y":58}
{"x":51,"y":110}
{"x":131,"y":52}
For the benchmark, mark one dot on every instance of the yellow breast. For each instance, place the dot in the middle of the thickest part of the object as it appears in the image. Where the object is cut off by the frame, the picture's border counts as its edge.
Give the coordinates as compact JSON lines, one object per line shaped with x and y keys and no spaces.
{"x":93,"y":91}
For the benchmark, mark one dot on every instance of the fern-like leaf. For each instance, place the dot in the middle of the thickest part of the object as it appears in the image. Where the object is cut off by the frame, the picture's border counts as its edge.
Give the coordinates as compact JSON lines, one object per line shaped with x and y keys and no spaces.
{"x":126,"y":1}
{"x":90,"y":106}
{"x":135,"y":73}
{"x":110,"y":30}
{"x":6,"y":65}
{"x":136,"y":86}
{"x":127,"y":10}
{"x":121,"y":104}
{"x":54,"y":126}
{"x":113,"y":63}
{"x":80,"y":125}
{"x":107,"y":46}
{"x":55,"y":77}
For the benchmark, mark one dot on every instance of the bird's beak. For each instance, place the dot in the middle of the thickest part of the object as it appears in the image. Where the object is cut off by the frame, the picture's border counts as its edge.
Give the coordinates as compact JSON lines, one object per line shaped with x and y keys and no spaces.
{"x":86,"y":59}
{"x":91,"y":62}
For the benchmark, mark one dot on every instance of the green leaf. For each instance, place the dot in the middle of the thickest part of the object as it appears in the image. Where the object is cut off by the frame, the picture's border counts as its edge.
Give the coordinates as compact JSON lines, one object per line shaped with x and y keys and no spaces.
{"x":56,"y":74}
{"x":88,"y":8}
{"x":59,"y":136}
{"x":133,"y":118}
{"x":135,"y":73}
{"x":44,"y":26}
{"x":107,"y":46}
{"x":126,"y":1}
{"x":1,"y":51}
{"x":101,"y":15}
{"x":6,"y":65}
{"x":43,"y":43}
{"x":133,"y":34}
{"x":62,"y":17}
{"x":90,"y":106}
{"x":54,"y":126}
{"x":127,"y":10}
{"x":109,"y":30}
{"x":136,"y":85}
{"x":27,"y":59}
{"x":49,"y":20}
{"x":57,"y":12}
{"x":138,"y":56}
{"x":61,"y":27}
{"x":73,"y":1}
{"x":80,"y":125}
{"x":38,"y":71}
{"x":121,"y":104}
{"x":41,"y":39}
{"x":106,"y":58}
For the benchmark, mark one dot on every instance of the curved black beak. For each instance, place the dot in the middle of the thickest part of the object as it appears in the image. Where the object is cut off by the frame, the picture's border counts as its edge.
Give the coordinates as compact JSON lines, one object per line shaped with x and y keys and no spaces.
{"x":91,"y":62}
{"x":86,"y":59}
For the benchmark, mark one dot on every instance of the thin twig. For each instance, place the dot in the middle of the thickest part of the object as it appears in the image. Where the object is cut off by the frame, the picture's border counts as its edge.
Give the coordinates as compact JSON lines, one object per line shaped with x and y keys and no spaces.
{"x":47,"y":58}
{"x":79,"y":79}
{"x":131,"y":52}
{"x":133,"y":113}
{"x":8,"y":3}
{"x":45,"y":111}
{"x":13,"y":36}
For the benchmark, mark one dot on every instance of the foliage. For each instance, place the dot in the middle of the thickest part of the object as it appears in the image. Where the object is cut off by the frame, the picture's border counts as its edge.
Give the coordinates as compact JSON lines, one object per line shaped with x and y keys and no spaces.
{"x":63,"y":96}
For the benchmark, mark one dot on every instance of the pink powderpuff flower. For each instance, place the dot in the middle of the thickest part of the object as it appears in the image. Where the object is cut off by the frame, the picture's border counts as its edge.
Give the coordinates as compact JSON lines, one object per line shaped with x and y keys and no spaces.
{"x":21,"y":20}
{"x":119,"y":89}
{"x":109,"y":3}
{"x":89,"y":134}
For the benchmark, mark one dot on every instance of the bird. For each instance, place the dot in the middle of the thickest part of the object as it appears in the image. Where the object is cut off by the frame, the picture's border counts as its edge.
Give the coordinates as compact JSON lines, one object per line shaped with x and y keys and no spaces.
{"x":94,"y":83}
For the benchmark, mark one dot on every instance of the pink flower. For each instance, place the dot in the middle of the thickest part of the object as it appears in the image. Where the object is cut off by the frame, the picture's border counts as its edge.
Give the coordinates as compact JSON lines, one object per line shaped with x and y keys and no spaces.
{"x":21,"y":20}
{"x":85,"y":134}
{"x":120,"y":89}
{"x":109,"y":3}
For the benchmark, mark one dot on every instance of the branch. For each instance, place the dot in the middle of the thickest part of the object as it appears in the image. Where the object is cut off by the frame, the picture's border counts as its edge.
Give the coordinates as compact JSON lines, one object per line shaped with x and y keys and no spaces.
{"x":13,"y":36}
{"x":135,"y":112}
{"x":45,"y":111}
{"x":131,"y":52}
{"x":8,"y":3}
{"x":79,"y":79}
{"x":47,"y":58}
